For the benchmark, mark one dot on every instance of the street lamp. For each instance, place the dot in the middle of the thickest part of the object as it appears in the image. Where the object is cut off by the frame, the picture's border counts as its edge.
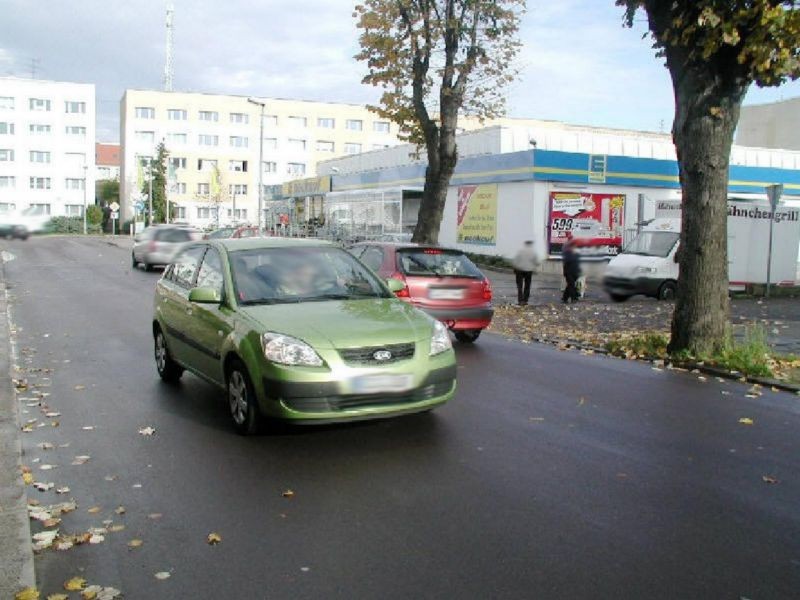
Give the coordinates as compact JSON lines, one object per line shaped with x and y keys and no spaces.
{"x":260,"y":162}
{"x":85,"y":170}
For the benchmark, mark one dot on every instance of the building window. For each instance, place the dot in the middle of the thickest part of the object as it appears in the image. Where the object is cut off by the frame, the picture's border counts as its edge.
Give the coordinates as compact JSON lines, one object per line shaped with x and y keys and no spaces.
{"x":39,"y":129}
{"x":238,"y":141}
{"x":206,"y":164}
{"x":296,"y":144}
{"x":75,"y":159}
{"x":6,"y":155}
{"x":144,"y":112}
{"x":39,"y":156}
{"x":145,"y":136}
{"x":270,"y":143}
{"x":179,"y":212}
{"x":38,"y":210}
{"x":8,"y":181}
{"x":237,"y":165}
{"x":237,"y":189}
{"x":72,"y":183}
{"x":39,"y":104}
{"x":270,"y":120}
{"x":40,"y":183}
{"x":270,"y":167}
{"x":176,"y":162}
{"x":80,"y":108}
{"x":206,"y":212}
{"x":6,"y":103}
{"x":379,"y":146}
{"x":6,"y":129}
{"x":104,"y":172}
{"x":203,"y":189}
{"x":73,"y":210}
{"x":76,"y":130}
{"x":208,"y":140}
{"x":178,"y":188}
{"x":240,"y":214}
{"x":176,"y":114}
{"x":326,"y":123}
{"x":297,"y":121}
{"x":177,"y":138}
{"x":354,"y":124}
{"x":7,"y":207}
{"x":323,"y":146}
{"x":352,"y":148}
{"x":296,"y":169}
{"x":241,"y":118}
{"x":381,"y":126}
{"x":209,"y":115}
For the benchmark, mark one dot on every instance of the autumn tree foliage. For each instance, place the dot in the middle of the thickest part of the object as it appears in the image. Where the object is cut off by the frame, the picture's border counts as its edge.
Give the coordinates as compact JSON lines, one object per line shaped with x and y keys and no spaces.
{"x":714,"y":51}
{"x":435,"y":60}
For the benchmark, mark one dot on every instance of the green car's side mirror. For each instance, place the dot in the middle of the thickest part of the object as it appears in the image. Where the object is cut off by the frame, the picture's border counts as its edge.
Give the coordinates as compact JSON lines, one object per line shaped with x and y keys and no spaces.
{"x":205,"y":295}
{"x":395,"y":285}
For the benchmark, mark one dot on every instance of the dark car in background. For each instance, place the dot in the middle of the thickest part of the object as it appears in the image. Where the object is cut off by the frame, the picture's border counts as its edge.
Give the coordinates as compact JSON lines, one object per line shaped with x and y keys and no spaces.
{"x":14,"y":231}
{"x":158,"y":244}
{"x":443,"y":282}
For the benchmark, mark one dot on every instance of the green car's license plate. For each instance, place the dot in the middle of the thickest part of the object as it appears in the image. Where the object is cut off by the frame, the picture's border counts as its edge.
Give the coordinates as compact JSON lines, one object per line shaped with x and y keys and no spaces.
{"x":376,"y":384}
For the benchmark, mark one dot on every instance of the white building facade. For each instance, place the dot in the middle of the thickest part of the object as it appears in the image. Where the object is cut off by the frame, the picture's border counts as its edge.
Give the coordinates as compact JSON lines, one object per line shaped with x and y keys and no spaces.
{"x":47,"y":136}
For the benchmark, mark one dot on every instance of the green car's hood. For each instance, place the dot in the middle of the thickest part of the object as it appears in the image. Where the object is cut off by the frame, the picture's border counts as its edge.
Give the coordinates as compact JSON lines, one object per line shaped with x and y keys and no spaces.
{"x":344,"y":323}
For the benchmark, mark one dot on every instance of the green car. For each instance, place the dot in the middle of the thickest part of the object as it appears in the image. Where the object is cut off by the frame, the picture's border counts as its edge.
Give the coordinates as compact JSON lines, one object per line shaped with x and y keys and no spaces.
{"x":297,"y":330}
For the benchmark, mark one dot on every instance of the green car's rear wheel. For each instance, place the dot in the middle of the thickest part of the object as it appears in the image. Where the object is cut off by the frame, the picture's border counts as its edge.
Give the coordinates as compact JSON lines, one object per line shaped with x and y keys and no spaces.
{"x":242,"y":399}
{"x":167,"y":368}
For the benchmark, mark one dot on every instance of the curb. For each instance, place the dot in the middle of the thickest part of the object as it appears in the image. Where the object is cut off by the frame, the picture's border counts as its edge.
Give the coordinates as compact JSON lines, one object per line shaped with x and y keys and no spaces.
{"x":784,"y":386}
{"x":16,"y":553}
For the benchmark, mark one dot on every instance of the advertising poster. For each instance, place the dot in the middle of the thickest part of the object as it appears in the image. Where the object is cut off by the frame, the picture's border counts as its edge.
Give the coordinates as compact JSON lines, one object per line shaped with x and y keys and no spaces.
{"x":594,"y":220}
{"x":476,"y":222}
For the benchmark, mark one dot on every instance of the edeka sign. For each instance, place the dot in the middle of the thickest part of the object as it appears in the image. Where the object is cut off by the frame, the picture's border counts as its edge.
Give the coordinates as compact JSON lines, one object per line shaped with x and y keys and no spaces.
{"x":311,"y":186}
{"x":476,"y":221}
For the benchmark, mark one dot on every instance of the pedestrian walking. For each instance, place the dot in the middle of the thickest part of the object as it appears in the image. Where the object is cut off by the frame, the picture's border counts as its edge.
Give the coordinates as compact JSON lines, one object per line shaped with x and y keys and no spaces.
{"x":572,"y":271}
{"x":525,"y":262}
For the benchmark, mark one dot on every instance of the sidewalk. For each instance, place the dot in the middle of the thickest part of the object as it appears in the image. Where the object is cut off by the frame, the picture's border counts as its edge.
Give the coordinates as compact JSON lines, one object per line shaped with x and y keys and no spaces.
{"x":16,"y":555}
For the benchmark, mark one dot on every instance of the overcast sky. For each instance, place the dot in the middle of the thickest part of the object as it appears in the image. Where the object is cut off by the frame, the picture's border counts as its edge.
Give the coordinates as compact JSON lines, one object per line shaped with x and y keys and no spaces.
{"x":578,"y":64}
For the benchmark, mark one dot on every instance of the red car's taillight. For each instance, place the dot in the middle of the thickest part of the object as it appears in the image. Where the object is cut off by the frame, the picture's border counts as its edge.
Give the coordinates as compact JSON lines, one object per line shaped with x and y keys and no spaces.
{"x":486,"y":289}
{"x":404,"y":293}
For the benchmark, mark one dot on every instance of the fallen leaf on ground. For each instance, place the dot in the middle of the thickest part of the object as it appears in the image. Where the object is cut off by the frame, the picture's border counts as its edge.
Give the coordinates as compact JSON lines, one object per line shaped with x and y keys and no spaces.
{"x":29,"y":593}
{"x":147,"y":430}
{"x":769,"y":479}
{"x":93,"y":510}
{"x":45,"y":446}
{"x":62,"y":490}
{"x":44,"y":539}
{"x":57,"y":597}
{"x":48,"y":467}
{"x":52,"y":414}
{"x":135,"y":543}
{"x":214,"y":538}
{"x":27,"y":478}
{"x":288,"y":494}
{"x":535,"y":418}
{"x":88,"y":427}
{"x":76,"y":584}
{"x":116,"y":528}
{"x":154,"y":515}
{"x":120,"y":510}
{"x":96,"y":538}
{"x":110,"y":477}
{"x":81,"y":460}
{"x":80,"y":387}
{"x":43,"y":487}
{"x":162,"y":575}
{"x":746,"y":421}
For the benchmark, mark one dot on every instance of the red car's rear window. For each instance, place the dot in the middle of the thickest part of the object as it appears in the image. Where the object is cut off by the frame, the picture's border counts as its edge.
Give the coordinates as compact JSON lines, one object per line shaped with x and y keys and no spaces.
{"x":436,"y":261}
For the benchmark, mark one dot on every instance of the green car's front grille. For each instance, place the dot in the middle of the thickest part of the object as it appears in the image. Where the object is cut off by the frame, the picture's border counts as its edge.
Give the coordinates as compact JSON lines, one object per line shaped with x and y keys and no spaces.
{"x":337,"y":403}
{"x":367,"y":355}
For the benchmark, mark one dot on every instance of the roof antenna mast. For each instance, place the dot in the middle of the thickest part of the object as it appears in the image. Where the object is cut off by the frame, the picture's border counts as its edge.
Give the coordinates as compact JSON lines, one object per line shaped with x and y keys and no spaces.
{"x":168,"y":68}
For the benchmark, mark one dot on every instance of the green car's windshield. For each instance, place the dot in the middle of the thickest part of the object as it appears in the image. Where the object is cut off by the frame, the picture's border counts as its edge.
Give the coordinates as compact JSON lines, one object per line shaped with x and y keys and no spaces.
{"x":281,"y":275}
{"x":652,"y":243}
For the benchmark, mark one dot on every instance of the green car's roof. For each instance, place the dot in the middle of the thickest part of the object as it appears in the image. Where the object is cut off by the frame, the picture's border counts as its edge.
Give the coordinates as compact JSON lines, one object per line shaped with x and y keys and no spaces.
{"x":232,"y":245}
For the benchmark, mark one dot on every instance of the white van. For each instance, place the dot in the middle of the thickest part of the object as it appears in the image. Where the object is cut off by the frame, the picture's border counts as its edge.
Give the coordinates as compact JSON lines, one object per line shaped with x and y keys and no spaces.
{"x":647,"y":265}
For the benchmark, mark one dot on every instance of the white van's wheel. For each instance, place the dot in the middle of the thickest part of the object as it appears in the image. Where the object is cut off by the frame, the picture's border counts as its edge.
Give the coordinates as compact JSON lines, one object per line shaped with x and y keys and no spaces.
{"x":667,"y":291}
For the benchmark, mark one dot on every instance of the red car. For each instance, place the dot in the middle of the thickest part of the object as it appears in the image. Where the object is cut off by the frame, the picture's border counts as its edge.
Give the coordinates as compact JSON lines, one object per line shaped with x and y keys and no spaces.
{"x":244,"y":231}
{"x":442,"y":282}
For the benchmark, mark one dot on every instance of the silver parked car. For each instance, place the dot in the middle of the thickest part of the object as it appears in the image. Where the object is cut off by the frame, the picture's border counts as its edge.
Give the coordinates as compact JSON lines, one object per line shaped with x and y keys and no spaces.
{"x":158,"y":244}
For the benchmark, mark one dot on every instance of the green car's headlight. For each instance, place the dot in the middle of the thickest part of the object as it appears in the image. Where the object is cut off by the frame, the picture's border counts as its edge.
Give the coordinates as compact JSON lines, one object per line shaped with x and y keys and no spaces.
{"x":286,"y":350}
{"x":440,"y":340}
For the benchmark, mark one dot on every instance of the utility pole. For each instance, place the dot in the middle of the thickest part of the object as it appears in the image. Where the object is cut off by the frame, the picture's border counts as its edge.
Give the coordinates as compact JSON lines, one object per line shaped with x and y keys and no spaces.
{"x":774,"y":193}
{"x":85,"y":171}
{"x":260,"y":162}
{"x":150,"y":193}
{"x":168,"y":64}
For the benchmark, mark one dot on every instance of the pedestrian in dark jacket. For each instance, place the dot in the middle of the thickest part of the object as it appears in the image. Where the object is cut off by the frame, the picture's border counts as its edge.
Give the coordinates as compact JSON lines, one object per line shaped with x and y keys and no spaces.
{"x":572,"y":271}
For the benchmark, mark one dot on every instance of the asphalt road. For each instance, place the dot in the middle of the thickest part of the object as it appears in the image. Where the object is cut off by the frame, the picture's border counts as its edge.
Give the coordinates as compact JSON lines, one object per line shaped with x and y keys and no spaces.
{"x":551,"y":475}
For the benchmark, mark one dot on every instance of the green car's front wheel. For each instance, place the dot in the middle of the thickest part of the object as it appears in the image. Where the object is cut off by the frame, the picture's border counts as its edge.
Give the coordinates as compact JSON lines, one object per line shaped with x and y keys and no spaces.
{"x":242,"y":399}
{"x":167,"y":368}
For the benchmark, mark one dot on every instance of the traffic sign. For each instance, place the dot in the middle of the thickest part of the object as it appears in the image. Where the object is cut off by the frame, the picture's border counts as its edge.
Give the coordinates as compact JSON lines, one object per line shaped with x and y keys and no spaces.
{"x":115,"y":215}
{"x":114,"y":206}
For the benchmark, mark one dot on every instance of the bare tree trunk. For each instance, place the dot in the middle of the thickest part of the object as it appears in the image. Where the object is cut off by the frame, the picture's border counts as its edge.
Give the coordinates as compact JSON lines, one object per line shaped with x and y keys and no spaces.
{"x":706,"y":114}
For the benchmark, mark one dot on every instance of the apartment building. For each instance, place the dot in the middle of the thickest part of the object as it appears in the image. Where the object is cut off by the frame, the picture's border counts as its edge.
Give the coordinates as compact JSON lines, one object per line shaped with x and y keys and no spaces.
{"x":47,"y":133}
{"x":106,"y":158}
{"x":213,"y":145}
